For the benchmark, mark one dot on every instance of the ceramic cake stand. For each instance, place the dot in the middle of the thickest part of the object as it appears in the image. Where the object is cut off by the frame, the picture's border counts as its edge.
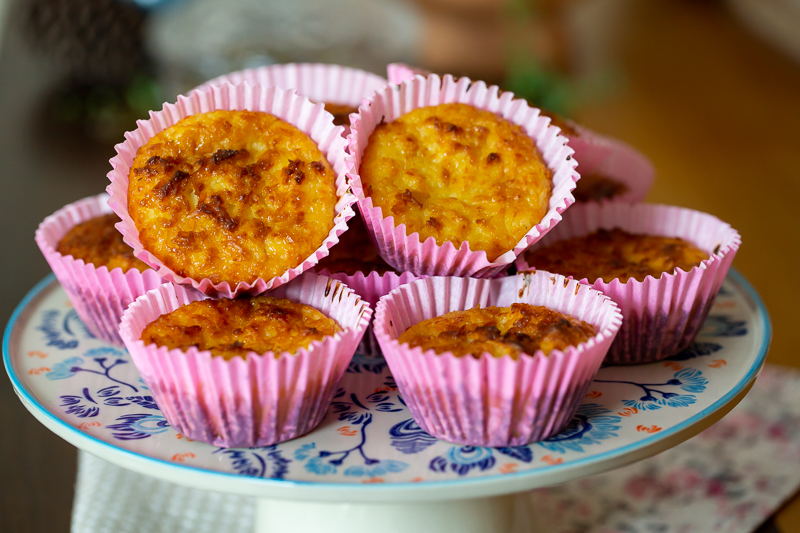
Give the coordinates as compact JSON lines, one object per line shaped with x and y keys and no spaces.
{"x":368,"y":466}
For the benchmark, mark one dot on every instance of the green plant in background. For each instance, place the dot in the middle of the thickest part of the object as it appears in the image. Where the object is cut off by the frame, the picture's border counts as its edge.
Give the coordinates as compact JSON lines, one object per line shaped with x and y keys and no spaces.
{"x":543,"y":88}
{"x":530,"y":73}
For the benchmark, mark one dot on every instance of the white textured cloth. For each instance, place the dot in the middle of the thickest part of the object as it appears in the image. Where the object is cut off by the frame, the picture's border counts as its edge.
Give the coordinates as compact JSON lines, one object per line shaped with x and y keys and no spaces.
{"x":728,"y":479}
{"x":110,"y":499}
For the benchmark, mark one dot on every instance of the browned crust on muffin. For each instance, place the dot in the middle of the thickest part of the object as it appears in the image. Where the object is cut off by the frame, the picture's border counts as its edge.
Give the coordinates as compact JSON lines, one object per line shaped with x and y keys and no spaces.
{"x":457,"y":174}
{"x":97,"y":242}
{"x":230,"y":328}
{"x":232,"y":196}
{"x":616,"y":254}
{"x":521,"y":328}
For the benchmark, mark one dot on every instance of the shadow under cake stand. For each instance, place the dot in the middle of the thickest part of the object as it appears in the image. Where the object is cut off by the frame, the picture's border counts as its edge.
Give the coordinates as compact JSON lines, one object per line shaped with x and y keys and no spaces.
{"x":368,"y":466}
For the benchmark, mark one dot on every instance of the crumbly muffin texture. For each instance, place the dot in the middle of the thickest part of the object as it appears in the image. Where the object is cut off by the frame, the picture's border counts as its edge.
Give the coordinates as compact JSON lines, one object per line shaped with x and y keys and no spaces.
{"x":596,"y":187}
{"x":354,"y":252}
{"x":616,"y":254}
{"x":98,"y":242}
{"x":457,"y":173}
{"x":521,"y":328}
{"x":230,"y":328}
{"x":232,"y":196}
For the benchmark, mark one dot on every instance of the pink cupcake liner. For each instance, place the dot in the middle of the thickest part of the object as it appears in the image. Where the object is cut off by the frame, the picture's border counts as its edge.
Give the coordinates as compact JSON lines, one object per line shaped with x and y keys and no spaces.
{"x":371,"y":286}
{"x":397,"y":73}
{"x":405,"y":252}
{"x":98,"y":296}
{"x":318,"y":81}
{"x":595,"y":153}
{"x":494,"y":401}
{"x":311,"y":119}
{"x":254,"y":401}
{"x":612,"y":158}
{"x":661,"y":316}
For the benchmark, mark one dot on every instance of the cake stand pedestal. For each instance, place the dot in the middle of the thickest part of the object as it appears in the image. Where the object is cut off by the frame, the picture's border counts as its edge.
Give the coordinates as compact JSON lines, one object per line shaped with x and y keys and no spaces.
{"x":368,"y":466}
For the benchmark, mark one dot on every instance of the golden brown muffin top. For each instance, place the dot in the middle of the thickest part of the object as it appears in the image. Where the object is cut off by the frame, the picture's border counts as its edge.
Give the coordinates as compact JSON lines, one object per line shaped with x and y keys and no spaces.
{"x":355,"y":252}
{"x":232,"y":196}
{"x":98,"y":242}
{"x":521,"y":328}
{"x":340,"y":112}
{"x":616,"y":254}
{"x":228,"y":328}
{"x":596,"y":187}
{"x":457,"y":173}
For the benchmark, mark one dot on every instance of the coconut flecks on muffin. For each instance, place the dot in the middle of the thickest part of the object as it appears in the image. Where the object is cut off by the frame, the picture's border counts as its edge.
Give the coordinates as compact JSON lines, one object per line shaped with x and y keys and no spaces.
{"x":457,"y":173}
{"x":520,"y":328}
{"x":616,"y":254}
{"x":98,"y":242}
{"x":230,"y":328}
{"x":231,"y":196}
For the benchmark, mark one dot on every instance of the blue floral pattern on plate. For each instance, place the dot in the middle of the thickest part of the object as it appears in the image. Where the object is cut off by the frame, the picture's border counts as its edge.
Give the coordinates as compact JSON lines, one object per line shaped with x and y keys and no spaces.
{"x":368,"y":435}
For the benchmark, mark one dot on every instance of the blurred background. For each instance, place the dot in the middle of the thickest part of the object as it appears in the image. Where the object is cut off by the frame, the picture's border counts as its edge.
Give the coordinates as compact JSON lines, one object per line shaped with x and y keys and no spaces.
{"x":708,"y":89}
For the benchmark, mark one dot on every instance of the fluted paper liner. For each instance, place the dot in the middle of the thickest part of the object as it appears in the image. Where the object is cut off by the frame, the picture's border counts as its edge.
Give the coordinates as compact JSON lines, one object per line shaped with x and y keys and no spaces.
{"x":397,"y":73}
{"x":98,"y":296}
{"x":320,"y":82}
{"x":405,"y":252}
{"x":258,"y":400}
{"x":661,"y":316}
{"x":485,"y":400}
{"x":595,"y":153}
{"x":311,"y":119}
{"x":612,"y":158}
{"x":371,"y":286}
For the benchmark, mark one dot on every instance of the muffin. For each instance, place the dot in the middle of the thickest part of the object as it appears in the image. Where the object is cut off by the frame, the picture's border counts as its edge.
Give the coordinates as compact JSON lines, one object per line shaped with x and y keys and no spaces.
{"x":245,"y":372}
{"x":454,"y":179}
{"x":486,"y":379}
{"x":231,"y":328}
{"x":626,"y":174}
{"x":457,"y":174}
{"x":663,"y":265}
{"x":499,"y":331}
{"x":231,"y":196}
{"x":616,"y":254}
{"x":94,"y":266}
{"x":96,"y":241}
{"x":235,"y":189}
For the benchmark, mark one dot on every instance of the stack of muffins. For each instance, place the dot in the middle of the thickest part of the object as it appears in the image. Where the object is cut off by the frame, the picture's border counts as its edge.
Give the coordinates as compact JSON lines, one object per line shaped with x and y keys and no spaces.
{"x":239,"y":200}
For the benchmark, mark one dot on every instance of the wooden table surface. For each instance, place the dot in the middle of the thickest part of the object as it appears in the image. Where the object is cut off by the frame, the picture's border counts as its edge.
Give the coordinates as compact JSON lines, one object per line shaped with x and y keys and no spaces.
{"x":717,"y":111}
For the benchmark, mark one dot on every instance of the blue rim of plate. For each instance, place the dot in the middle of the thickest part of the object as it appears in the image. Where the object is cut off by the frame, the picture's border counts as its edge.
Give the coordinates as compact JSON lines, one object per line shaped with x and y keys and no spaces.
{"x":747,"y":380}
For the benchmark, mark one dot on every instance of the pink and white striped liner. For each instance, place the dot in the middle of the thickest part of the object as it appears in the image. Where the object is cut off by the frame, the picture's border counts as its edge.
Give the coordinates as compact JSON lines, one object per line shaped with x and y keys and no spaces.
{"x":258,"y":400}
{"x":397,"y":73}
{"x":612,"y":158}
{"x":318,"y":81}
{"x":594,"y":152}
{"x":405,"y":252}
{"x":661,"y":316}
{"x":98,"y":296}
{"x":311,"y":119}
{"x":485,"y":400}
{"x":371,"y":286}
